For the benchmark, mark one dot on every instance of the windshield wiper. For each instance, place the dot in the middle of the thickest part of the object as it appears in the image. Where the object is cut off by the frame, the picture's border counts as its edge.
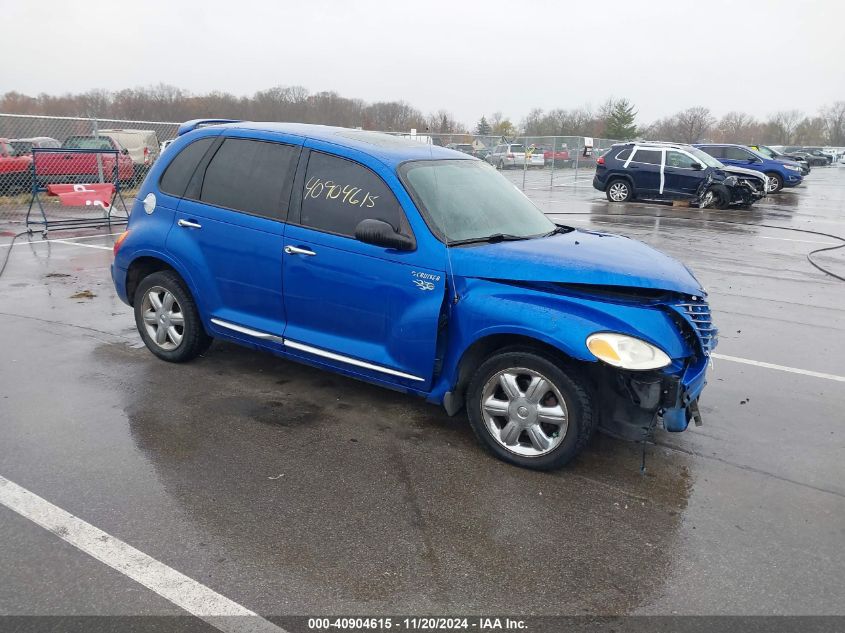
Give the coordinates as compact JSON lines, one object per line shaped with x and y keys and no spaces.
{"x":559,"y":228}
{"x":490,"y":239}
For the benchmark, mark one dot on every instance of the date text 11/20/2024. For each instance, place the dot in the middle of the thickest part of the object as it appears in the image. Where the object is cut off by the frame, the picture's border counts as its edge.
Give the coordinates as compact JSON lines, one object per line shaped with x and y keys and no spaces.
{"x":417,"y":624}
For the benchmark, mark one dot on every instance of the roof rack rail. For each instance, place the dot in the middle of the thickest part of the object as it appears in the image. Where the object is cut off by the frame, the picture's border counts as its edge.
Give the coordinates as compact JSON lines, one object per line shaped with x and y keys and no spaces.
{"x":189,"y":126}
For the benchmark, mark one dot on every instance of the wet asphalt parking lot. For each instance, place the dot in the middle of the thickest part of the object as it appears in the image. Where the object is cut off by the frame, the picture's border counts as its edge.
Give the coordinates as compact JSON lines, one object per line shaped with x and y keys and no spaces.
{"x":292,"y":491}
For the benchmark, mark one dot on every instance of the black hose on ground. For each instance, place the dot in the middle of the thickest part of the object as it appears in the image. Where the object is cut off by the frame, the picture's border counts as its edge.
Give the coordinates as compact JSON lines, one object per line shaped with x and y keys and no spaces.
{"x":768,"y":226}
{"x":9,"y":250}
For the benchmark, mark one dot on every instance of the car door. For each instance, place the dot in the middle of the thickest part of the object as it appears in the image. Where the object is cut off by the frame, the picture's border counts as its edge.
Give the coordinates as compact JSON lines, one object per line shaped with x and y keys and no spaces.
{"x":681,"y":176}
{"x":360,"y":308}
{"x":645,"y":167}
{"x":228,"y":234}
{"x":740,"y":157}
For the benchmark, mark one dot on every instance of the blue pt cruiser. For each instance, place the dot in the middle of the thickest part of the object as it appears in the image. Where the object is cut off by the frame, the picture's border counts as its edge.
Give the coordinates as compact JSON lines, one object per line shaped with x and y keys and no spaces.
{"x":417,"y":268}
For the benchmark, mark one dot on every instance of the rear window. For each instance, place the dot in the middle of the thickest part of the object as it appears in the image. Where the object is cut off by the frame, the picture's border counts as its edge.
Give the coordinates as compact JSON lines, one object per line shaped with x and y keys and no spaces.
{"x":647,"y":156}
{"x":87,"y":142}
{"x":517,"y":148}
{"x":251,"y":176}
{"x":178,"y":173}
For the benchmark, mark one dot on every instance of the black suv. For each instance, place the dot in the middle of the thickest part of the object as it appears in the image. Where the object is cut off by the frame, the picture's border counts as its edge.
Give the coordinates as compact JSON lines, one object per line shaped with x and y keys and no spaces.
{"x":669,"y":171}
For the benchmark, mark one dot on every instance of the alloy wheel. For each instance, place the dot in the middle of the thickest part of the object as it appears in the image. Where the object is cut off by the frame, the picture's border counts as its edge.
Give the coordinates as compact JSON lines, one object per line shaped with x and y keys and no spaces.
{"x":618,"y":191}
{"x":524,"y":412}
{"x":163,"y":318}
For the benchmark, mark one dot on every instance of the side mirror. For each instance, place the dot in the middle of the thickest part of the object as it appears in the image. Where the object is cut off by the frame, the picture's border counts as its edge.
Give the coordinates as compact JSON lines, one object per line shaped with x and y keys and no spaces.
{"x":380,"y":233}
{"x":697,"y":166}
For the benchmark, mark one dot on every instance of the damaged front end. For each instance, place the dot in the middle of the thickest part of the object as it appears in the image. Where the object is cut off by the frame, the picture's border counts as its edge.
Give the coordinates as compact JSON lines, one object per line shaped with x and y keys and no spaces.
{"x":633,"y":403}
{"x":737,"y":187}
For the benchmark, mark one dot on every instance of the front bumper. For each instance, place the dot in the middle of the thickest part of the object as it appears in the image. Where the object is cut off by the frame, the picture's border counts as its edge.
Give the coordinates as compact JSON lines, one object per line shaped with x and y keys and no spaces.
{"x":633,"y":403}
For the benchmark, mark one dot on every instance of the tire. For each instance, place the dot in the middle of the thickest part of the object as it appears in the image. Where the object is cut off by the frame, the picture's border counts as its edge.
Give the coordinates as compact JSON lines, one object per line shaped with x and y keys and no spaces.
{"x":172,"y":345}
{"x":619,"y":190}
{"x":775,"y":182}
{"x":519,"y":435}
{"x":721,"y":197}
{"x":501,"y":165}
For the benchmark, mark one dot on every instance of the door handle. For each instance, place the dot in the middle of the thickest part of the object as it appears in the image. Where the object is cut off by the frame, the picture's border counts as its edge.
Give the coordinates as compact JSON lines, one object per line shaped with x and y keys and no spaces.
{"x":188,"y":224}
{"x":294,"y":250}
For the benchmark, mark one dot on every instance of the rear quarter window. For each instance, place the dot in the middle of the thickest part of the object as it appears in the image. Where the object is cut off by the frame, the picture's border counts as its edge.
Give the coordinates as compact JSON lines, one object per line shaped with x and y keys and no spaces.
{"x":624,"y":154}
{"x":174,"y":180}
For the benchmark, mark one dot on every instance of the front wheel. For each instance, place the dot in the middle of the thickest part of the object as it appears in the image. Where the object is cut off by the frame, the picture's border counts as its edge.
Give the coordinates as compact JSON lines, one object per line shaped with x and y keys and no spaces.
{"x":717,"y":197}
{"x":619,"y":191}
{"x":167,"y":318}
{"x":774,"y":182}
{"x":527,"y":411}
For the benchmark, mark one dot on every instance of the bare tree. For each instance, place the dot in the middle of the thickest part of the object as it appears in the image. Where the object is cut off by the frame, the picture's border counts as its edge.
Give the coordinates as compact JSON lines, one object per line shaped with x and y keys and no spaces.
{"x":693,"y":124}
{"x":783,"y":125}
{"x":834,"y":119}
{"x":738,"y":127}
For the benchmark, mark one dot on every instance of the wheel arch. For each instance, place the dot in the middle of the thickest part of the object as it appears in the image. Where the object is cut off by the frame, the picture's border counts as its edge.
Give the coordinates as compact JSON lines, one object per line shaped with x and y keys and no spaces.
{"x":147,"y":264}
{"x":626,"y":177}
{"x":485,"y":346}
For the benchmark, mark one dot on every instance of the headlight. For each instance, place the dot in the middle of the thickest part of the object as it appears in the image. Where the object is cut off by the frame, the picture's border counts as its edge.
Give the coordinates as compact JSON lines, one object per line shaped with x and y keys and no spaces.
{"x":626,"y":352}
{"x":793,"y":167}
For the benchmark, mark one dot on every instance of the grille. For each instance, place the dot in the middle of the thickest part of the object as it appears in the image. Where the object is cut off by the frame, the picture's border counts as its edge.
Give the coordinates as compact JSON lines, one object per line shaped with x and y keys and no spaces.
{"x":698,"y":313}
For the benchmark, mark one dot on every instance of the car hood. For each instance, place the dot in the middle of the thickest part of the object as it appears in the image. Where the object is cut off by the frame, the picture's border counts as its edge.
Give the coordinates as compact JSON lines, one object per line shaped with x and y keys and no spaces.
{"x":576,"y":257}
{"x":742,"y":171}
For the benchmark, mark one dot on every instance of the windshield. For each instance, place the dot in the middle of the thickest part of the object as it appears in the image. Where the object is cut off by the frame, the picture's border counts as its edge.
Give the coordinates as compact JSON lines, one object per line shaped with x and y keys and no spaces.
{"x":469,"y":199}
{"x":704,"y":157}
{"x":87,"y":142}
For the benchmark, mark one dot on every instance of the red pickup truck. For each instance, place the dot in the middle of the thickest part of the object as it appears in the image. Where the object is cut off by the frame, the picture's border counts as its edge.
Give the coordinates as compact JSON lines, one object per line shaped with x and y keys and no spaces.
{"x":14,"y":169}
{"x":57,"y":166}
{"x":560,"y":157}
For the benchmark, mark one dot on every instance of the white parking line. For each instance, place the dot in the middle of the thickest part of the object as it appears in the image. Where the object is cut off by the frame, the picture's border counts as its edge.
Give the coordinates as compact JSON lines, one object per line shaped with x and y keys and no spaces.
{"x":104,"y":248}
{"x":791,"y":370}
{"x":184,"y":592}
{"x":70,"y":240}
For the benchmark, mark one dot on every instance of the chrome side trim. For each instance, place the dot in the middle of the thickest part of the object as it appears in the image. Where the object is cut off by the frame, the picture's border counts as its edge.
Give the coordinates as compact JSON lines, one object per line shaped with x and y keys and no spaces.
{"x":351,"y":361}
{"x":246,"y":330}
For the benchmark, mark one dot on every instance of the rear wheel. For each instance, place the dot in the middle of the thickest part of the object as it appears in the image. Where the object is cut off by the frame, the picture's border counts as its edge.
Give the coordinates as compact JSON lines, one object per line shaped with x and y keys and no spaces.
{"x":167,"y":318}
{"x":774,"y":182}
{"x":619,"y":191}
{"x":527,"y":411}
{"x":501,"y":165}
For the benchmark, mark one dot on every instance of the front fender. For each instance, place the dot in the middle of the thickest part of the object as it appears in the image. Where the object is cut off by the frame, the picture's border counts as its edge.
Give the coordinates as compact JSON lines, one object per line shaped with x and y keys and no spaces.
{"x":487,"y":308}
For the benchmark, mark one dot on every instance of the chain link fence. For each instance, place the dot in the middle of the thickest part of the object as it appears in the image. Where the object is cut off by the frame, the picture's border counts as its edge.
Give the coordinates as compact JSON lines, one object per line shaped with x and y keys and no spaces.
{"x":531,"y":162}
{"x":92,"y":159}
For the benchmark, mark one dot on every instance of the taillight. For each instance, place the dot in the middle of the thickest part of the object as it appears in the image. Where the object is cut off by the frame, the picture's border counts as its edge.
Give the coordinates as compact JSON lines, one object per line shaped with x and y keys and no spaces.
{"x":510,"y":155}
{"x":146,"y":155}
{"x":119,"y":240}
{"x":600,"y":160}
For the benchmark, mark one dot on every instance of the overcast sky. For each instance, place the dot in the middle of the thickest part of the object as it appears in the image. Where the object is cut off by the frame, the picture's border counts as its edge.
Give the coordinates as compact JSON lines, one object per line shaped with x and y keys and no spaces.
{"x":469,"y":57}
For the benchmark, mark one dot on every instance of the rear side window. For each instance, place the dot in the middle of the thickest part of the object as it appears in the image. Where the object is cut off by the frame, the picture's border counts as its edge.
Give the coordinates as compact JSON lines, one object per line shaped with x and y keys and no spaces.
{"x":648,"y":156}
{"x":624,"y":154}
{"x":715,"y":152}
{"x":251,"y":176}
{"x":737,"y":153}
{"x":175,"y":178}
{"x":339,"y":193}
